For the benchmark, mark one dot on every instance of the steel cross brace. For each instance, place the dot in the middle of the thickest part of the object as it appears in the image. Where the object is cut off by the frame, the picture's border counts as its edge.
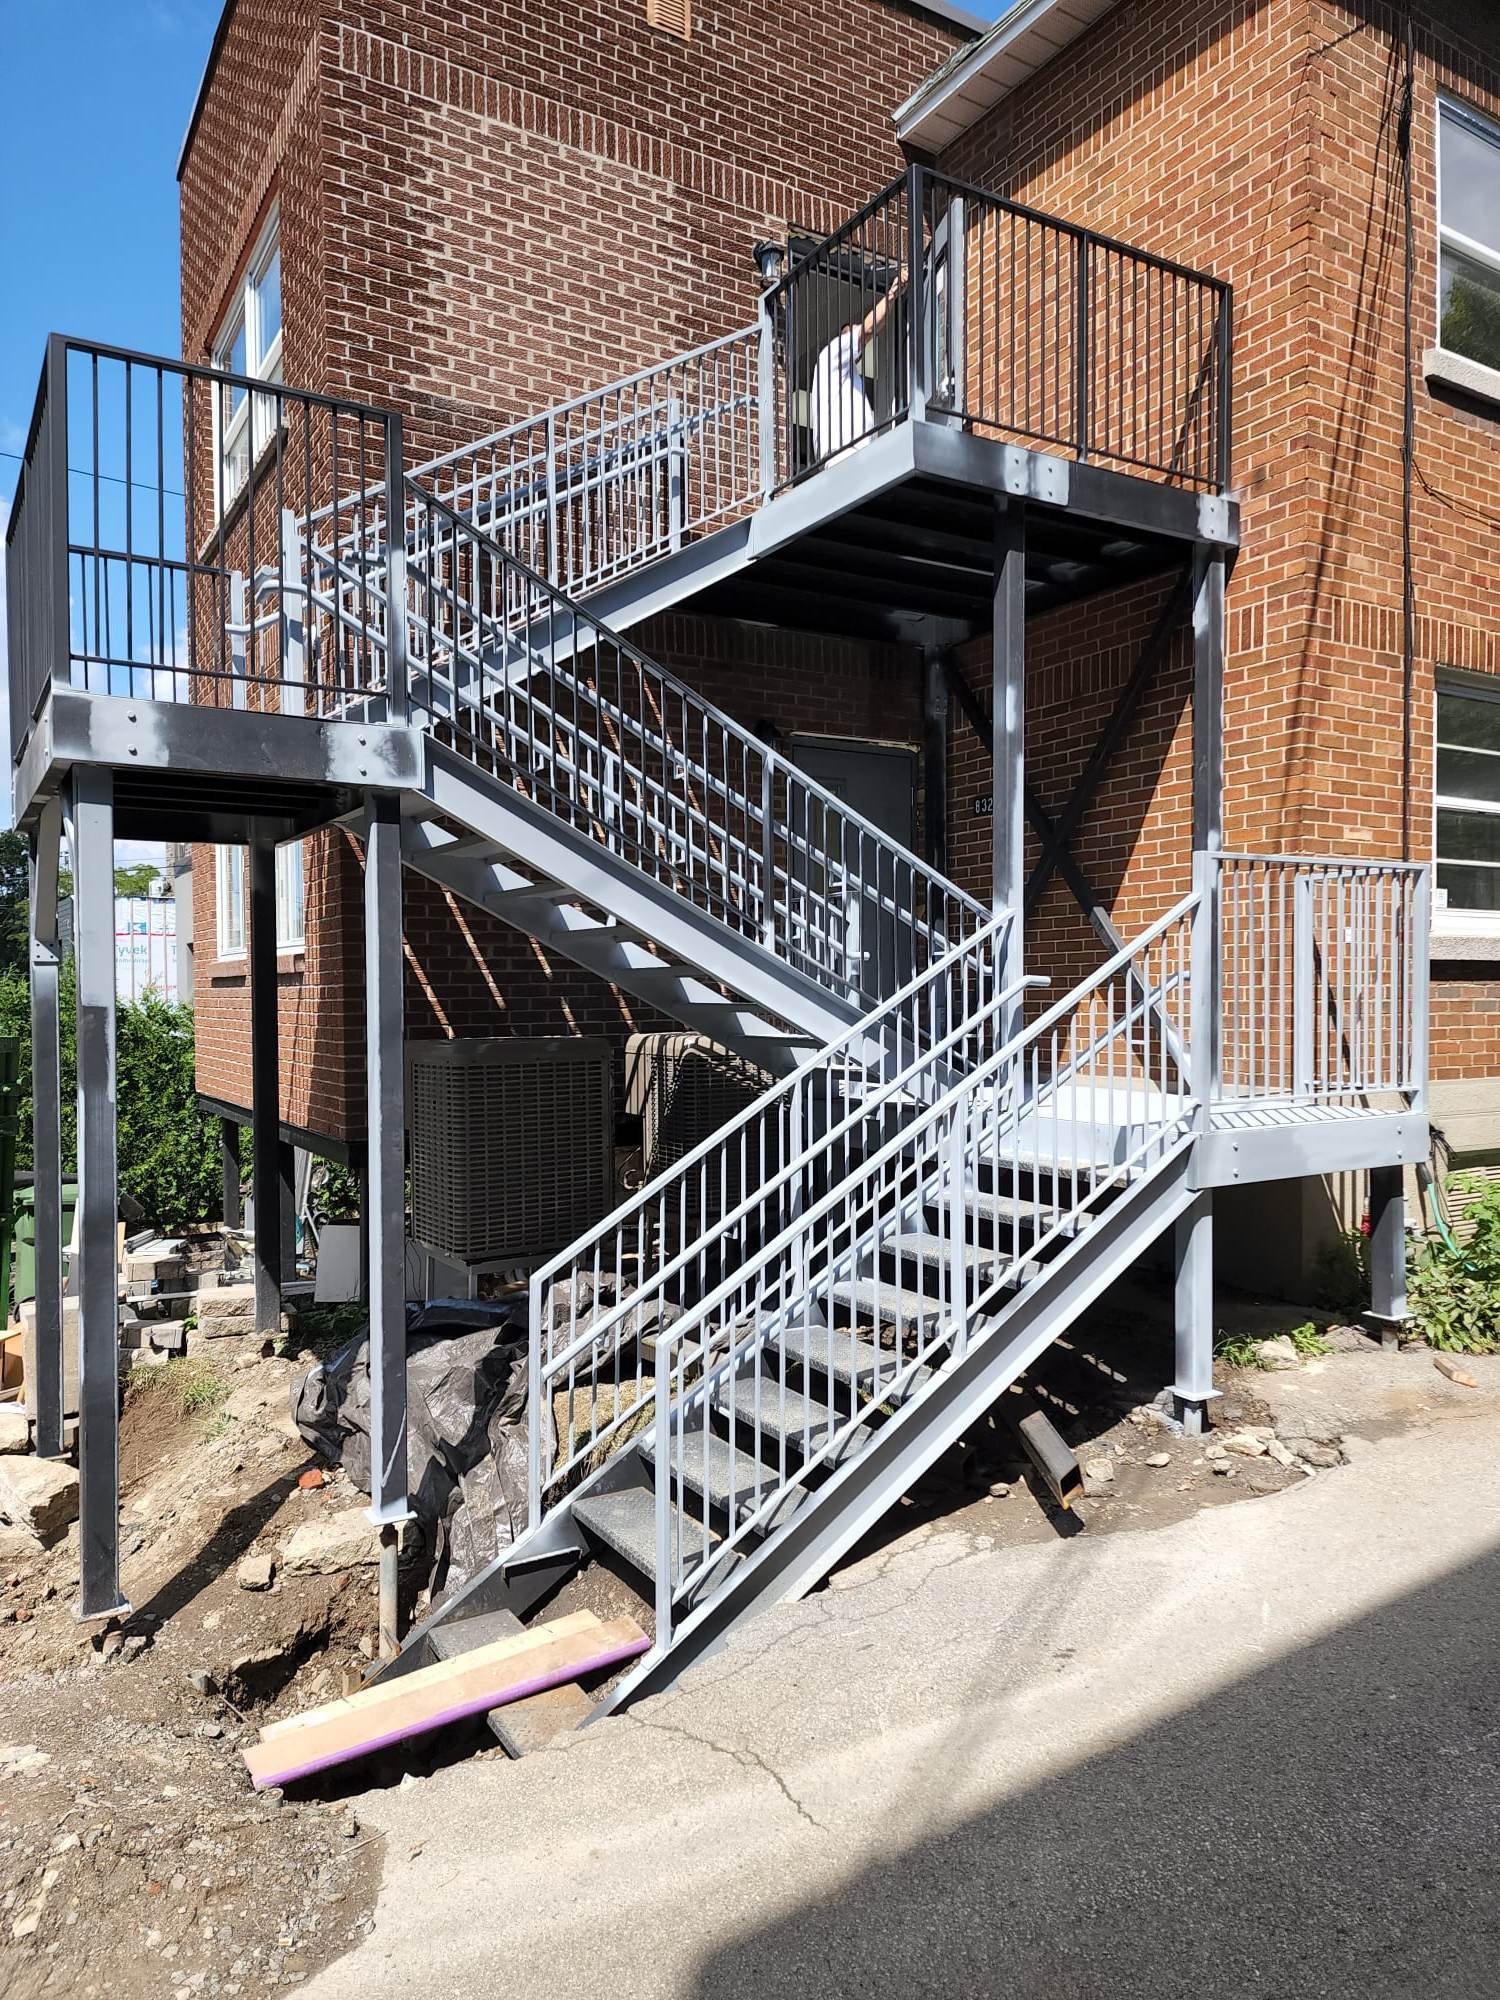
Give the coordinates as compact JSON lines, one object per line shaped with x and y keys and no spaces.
{"x":1054,"y":841}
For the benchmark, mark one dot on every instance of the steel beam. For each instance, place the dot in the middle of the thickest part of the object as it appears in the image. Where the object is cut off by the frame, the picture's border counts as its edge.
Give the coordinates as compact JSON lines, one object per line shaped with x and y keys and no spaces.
{"x":1193,"y":1243}
{"x":265,"y":1087}
{"x":1389,"y":1313}
{"x":229,"y":1170}
{"x":44,"y":1395}
{"x":1111,"y":737}
{"x":92,"y":843}
{"x":1008,"y":745}
{"x":386,"y":1114}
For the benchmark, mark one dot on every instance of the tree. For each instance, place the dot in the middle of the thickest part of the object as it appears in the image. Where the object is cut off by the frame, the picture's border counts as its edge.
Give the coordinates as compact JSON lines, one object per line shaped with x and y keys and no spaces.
{"x":15,"y":903}
{"x":168,"y":1151}
{"x":136,"y":880}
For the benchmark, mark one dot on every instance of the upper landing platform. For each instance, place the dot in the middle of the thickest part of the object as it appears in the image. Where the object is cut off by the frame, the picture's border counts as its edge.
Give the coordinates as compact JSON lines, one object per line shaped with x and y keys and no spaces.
{"x":894,"y":538}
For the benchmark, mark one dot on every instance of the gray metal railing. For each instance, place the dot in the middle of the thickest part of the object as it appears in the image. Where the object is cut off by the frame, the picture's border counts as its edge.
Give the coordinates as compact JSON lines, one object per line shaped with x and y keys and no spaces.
{"x":673,"y":1240}
{"x":156,"y":546}
{"x":1092,"y":1083}
{"x":606,"y":482}
{"x":1323,"y":970}
{"x":956,"y":304}
{"x":531,"y":688}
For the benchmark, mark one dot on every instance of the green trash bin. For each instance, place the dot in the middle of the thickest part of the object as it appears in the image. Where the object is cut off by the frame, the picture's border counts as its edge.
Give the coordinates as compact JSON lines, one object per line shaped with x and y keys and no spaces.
{"x":25,"y":1237}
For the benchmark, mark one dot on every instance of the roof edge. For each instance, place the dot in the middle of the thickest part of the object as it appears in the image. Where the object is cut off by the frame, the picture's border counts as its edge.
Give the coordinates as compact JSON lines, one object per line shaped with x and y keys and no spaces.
{"x":1028,"y":35}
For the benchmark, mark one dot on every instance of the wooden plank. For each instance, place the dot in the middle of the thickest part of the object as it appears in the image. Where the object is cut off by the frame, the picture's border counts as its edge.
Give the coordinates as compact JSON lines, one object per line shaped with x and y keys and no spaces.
{"x":497,"y":1653}
{"x":413,"y":1711}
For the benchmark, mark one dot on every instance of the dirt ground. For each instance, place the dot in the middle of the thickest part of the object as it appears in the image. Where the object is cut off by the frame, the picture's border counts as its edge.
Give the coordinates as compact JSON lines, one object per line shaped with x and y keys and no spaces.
{"x":135,"y":1859}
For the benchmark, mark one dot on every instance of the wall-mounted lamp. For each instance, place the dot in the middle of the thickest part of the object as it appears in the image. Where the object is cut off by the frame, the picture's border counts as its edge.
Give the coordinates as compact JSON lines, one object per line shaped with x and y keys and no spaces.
{"x":770,"y":260}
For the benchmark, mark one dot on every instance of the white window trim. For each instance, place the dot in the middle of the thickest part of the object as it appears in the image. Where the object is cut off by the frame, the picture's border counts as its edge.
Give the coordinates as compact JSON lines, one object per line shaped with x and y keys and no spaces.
{"x":291,"y":905}
{"x":264,"y":363}
{"x":227,"y":859}
{"x":1446,"y":921}
{"x":1441,"y":363}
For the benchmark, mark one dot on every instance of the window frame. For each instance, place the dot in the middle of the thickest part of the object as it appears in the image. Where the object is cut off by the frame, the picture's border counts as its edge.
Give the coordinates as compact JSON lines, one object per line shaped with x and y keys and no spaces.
{"x":255,"y":414}
{"x":1449,"y":918}
{"x":224,"y":936}
{"x":291,"y":897}
{"x":1445,"y":236}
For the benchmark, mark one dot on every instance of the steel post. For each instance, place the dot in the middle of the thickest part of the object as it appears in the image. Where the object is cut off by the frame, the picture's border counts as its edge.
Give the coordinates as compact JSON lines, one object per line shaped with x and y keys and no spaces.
{"x":1388,"y":1308}
{"x":44,"y":1395}
{"x":93,"y":855}
{"x":1007,"y":715}
{"x":229,"y":1172}
{"x":1193,"y":1243}
{"x":386,"y":1114}
{"x":265,"y":1087}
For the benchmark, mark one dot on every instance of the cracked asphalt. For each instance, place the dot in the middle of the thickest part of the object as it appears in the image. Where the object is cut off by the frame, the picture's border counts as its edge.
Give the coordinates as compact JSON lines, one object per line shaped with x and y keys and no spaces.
{"x":1257,"y":1752}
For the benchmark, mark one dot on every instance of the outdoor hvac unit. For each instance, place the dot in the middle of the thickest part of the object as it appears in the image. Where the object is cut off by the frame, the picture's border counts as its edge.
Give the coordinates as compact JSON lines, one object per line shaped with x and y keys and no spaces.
{"x":683,"y":1087}
{"x":512,"y":1146}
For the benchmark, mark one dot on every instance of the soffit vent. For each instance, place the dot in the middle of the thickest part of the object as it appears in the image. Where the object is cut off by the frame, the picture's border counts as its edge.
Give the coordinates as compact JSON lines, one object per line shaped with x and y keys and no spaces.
{"x":673,"y":17}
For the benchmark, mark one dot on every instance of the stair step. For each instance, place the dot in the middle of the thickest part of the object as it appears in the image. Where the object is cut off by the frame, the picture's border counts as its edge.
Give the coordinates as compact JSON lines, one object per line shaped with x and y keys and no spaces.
{"x":1013,"y":1208}
{"x":626,"y":1522}
{"x":785,"y":1417}
{"x":840,"y":1353}
{"x":892,"y":1305}
{"x":709,"y":1464}
{"x":922,"y":1246}
{"x":518,"y":1726}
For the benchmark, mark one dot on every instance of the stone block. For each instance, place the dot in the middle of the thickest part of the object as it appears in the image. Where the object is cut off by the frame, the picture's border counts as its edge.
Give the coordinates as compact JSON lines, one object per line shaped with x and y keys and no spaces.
{"x":39,"y":1495}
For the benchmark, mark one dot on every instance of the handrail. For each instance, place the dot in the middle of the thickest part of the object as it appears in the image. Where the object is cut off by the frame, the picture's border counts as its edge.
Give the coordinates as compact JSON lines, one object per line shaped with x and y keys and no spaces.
{"x":931,"y":1162}
{"x":581,"y":401}
{"x":750,"y":841}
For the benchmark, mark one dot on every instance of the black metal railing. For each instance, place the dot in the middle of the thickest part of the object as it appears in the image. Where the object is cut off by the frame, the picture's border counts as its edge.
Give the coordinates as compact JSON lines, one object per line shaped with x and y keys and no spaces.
{"x":940,"y":300}
{"x":186,"y":534}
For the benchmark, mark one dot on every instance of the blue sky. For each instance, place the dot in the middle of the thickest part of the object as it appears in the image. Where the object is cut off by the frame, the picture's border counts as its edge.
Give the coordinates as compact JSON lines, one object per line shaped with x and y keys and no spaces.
{"x":97,"y":101}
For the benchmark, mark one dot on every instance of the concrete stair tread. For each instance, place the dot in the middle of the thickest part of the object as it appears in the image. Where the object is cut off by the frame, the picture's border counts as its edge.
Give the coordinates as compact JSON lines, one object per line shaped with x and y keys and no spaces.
{"x":518,"y":1726}
{"x":625,"y":1522}
{"x":732,"y":1480}
{"x":785,"y":1417}
{"x":1015,"y":1208}
{"x":893,"y":1305}
{"x":927,"y":1247}
{"x":841,"y":1353}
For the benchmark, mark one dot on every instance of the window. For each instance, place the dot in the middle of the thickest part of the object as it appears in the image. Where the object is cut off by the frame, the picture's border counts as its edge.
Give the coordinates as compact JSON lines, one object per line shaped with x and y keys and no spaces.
{"x":229,"y":890}
{"x":1468,"y":234}
{"x":229,"y":900}
{"x":249,"y":344}
{"x":1468,"y":800}
{"x":290,"y":922}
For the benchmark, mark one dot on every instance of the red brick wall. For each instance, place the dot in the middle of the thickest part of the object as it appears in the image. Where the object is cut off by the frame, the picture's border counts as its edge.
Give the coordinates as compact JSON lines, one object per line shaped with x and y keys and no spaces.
{"x":483,"y":211}
{"x":1255,"y":139}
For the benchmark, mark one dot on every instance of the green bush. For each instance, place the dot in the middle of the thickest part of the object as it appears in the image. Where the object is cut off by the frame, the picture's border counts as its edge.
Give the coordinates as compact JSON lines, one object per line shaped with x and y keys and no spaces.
{"x":1454,"y":1294}
{"x":168,"y":1152}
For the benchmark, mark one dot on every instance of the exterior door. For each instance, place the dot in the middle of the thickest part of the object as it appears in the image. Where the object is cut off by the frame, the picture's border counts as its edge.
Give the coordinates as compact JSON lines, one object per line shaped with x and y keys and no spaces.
{"x":879,"y":781}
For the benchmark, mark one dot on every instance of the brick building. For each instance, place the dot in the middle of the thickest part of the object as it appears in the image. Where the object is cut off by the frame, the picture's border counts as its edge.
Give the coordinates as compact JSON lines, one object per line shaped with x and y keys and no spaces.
{"x":475,"y":218}
{"x":475,"y":224}
{"x":1263,"y":140}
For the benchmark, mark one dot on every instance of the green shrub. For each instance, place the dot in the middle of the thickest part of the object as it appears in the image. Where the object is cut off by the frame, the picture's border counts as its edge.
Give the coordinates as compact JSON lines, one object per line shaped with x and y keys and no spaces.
{"x":1454,"y":1294}
{"x":168,"y":1152}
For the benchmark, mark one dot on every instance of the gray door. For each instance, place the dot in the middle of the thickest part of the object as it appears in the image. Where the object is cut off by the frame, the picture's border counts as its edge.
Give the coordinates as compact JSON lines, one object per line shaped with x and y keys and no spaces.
{"x":880,"y":782}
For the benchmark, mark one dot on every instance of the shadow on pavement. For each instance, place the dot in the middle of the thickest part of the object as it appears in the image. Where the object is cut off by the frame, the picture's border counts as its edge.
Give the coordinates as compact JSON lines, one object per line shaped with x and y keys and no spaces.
{"x":1329,"y":1825}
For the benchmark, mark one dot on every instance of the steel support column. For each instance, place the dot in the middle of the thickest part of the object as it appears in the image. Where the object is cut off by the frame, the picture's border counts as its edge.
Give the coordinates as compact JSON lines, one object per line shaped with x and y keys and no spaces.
{"x":229,"y":1171}
{"x":386,"y":1205}
{"x":1007,"y":719}
{"x":93,"y":854}
{"x":44,"y":1395}
{"x":934,"y":761}
{"x":1208,"y":698}
{"x":1388,"y":1308}
{"x":265,"y":1087}
{"x":1193,"y":1243}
